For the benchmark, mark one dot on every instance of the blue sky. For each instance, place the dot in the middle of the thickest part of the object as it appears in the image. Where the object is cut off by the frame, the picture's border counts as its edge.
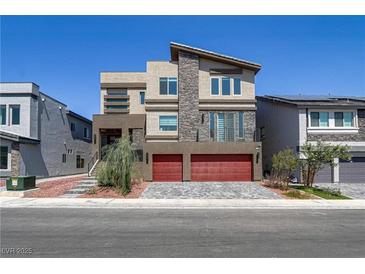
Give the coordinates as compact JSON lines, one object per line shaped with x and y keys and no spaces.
{"x":299,"y":54}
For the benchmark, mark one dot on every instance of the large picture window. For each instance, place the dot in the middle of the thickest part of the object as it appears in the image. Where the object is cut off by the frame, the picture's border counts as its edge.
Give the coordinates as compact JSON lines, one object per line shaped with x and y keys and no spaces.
{"x":222,"y":127}
{"x":168,"y":123}
{"x":168,"y":86}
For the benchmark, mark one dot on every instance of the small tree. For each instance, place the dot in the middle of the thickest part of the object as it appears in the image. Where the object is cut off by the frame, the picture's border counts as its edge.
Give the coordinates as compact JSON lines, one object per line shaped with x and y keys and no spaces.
{"x":283,"y":165}
{"x":316,"y":156}
{"x":118,"y":167}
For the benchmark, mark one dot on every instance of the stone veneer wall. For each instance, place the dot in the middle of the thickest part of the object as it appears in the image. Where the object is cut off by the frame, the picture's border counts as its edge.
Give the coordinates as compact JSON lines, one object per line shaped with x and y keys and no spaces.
{"x":138,"y":138}
{"x":358,"y":137}
{"x":188,"y":92}
{"x":249,"y":126}
{"x":15,"y":159}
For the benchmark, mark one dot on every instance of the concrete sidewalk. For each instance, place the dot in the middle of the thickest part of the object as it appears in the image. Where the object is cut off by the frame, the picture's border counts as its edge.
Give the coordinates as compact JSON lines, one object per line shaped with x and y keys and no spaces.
{"x":12,"y":202}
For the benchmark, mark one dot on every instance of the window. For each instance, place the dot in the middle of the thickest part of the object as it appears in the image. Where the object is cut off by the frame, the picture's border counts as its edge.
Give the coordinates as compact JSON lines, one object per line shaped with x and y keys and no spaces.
{"x":168,"y":86}
{"x":223,"y":130}
{"x":117,"y":91}
{"x":344,"y":119}
{"x":79,"y":162}
{"x":226,"y":86}
{"x":86,"y":132}
{"x":64,"y":158}
{"x":141,"y":97}
{"x":214,"y":86}
{"x":138,"y":155}
{"x":118,"y":100}
{"x":237,"y":86}
{"x":116,"y":107}
{"x":94,"y":139}
{"x":3,"y":114}
{"x":72,"y":126}
{"x":168,"y":123}
{"x":319,"y":119}
{"x":3,"y":157}
{"x":240,"y":125}
{"x":15,"y":114}
{"x":211,"y":125}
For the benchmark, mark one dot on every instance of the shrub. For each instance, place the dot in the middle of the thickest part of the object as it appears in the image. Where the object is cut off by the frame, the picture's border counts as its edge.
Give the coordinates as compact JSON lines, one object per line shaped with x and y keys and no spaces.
{"x":118,"y":167}
{"x":283,"y":165}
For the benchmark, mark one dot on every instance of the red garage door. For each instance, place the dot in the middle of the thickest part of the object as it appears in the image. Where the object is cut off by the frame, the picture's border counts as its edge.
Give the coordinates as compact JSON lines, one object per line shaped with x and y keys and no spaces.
{"x":167,"y":167}
{"x":221,"y":167}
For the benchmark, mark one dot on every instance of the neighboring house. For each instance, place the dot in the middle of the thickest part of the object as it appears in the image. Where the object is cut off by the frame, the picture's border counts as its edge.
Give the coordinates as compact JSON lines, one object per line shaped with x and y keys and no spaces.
{"x":190,"y":119}
{"x":39,"y":135}
{"x":290,"y":121}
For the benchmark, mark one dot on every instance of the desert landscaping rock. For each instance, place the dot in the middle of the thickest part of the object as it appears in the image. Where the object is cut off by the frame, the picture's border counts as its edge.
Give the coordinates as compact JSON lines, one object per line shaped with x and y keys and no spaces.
{"x":208,"y":190}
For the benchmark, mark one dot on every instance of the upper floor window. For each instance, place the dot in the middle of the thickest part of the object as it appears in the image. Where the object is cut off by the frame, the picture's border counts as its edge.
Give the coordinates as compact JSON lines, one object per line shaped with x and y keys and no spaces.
{"x":237,"y":86}
{"x":319,"y":119}
{"x":225,"y":85}
{"x":86,"y":132}
{"x":168,"y":123}
{"x":344,"y":119}
{"x":240,"y":124}
{"x":141,"y":97}
{"x":3,"y":114}
{"x":214,"y":86}
{"x":168,"y":86}
{"x":15,"y":114}
{"x":72,"y":126}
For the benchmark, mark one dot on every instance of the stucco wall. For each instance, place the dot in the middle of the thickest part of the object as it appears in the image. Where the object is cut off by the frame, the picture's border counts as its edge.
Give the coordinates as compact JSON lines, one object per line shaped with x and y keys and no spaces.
{"x":153,"y":123}
{"x":135,"y":106}
{"x":247,"y":81}
{"x":155,"y":70}
{"x":281,"y":123}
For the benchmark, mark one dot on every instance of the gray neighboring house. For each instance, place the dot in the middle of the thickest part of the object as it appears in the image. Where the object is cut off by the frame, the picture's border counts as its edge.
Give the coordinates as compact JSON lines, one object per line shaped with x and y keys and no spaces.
{"x":290,"y":121}
{"x":39,"y":135}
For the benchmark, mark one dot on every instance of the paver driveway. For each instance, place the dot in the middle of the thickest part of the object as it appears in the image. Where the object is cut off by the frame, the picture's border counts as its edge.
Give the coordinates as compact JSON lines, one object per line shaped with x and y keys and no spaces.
{"x":208,"y":190}
{"x":355,"y":190}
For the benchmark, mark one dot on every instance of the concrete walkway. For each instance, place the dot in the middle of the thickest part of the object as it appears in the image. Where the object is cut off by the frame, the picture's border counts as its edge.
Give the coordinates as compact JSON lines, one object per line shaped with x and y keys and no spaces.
{"x":208,"y":190}
{"x":12,"y":202}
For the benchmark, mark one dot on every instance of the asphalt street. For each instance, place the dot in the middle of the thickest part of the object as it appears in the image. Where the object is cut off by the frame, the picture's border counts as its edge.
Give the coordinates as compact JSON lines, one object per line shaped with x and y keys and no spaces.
{"x":56,"y":232}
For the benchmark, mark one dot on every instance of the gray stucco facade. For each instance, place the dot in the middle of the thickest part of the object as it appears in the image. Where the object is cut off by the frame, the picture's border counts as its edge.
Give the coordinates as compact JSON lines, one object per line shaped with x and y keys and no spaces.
{"x":56,"y":147}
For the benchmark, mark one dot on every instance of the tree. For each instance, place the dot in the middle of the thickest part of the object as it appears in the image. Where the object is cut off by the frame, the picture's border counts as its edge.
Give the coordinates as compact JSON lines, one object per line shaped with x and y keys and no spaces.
{"x":117,"y":169}
{"x":283,"y":165}
{"x":316,"y":156}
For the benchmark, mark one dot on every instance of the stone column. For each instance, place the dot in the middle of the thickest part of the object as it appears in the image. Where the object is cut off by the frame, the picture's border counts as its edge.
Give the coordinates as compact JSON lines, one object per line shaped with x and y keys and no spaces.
{"x":188,"y":92}
{"x":15,"y":159}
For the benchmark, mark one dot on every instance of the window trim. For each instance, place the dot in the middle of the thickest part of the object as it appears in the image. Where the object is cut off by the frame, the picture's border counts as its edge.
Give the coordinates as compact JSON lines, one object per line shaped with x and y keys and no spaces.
{"x":159,"y":122}
{"x":168,"y":86}
{"x":331,"y":122}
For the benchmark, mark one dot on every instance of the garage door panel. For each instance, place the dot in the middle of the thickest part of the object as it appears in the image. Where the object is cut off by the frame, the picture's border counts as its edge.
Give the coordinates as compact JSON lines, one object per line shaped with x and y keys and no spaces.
{"x":221,"y":167}
{"x":353,"y":172}
{"x":167,"y":167}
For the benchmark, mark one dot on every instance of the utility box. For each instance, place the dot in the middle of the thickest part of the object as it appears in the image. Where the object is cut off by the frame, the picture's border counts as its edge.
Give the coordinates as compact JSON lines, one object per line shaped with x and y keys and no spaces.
{"x":20,"y":183}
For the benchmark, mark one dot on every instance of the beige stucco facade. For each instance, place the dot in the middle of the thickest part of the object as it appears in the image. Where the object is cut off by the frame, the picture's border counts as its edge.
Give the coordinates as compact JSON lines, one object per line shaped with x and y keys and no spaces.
{"x":247,"y":81}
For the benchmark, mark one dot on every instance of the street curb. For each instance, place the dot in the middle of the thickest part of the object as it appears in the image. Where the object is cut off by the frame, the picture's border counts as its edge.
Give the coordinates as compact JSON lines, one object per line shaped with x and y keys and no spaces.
{"x":13,"y":202}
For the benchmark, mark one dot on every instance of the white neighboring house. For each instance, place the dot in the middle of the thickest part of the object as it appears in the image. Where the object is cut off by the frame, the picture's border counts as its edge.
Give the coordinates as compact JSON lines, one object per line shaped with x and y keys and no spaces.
{"x":39,"y":135}
{"x":290,"y":121}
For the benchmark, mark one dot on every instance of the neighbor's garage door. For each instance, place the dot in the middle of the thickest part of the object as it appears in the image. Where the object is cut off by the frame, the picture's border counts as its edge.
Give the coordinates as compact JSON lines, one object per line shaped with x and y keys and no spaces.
{"x":324,"y":175}
{"x":354,"y":171}
{"x":221,"y":167}
{"x":167,"y":167}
